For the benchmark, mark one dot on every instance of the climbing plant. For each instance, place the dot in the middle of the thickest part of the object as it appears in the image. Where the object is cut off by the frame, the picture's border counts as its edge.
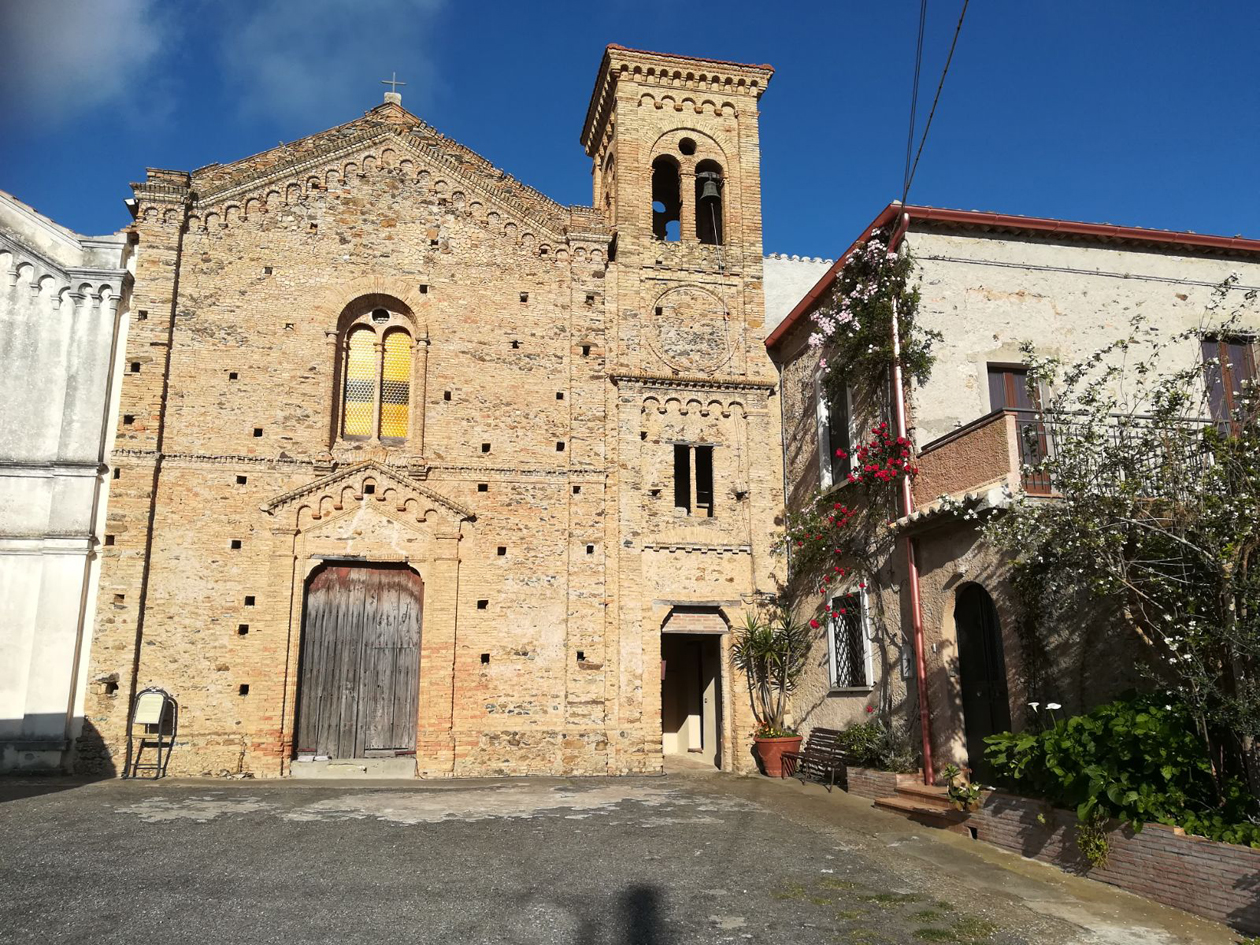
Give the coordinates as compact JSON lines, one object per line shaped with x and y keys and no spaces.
{"x":852,"y":333}
{"x":841,"y":536}
{"x":1156,"y":517}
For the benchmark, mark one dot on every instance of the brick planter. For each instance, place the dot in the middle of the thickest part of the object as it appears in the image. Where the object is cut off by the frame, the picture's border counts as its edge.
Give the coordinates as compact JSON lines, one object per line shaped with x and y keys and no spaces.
{"x":1219,"y":881}
{"x":868,"y":782}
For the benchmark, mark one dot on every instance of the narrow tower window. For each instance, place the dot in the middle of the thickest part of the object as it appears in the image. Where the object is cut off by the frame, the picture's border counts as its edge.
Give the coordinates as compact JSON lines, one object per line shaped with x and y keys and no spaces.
{"x":666,"y":200}
{"x":693,"y":479}
{"x":682,"y":477}
{"x":704,"y":480}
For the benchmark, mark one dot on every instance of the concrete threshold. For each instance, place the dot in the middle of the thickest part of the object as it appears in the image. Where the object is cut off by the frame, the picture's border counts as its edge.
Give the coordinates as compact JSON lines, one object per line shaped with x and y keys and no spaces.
{"x":355,"y":768}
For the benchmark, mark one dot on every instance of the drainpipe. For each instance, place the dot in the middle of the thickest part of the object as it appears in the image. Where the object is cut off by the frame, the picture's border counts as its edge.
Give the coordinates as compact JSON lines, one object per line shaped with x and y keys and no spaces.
{"x":907,"y":506}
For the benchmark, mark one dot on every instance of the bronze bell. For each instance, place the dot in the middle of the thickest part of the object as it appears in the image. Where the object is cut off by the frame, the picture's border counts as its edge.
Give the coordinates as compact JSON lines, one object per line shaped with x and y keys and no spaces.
{"x":710,"y":185}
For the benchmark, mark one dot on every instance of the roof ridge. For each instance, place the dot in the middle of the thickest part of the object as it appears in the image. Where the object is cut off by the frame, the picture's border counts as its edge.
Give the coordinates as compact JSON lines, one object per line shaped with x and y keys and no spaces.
{"x":1047,"y":226}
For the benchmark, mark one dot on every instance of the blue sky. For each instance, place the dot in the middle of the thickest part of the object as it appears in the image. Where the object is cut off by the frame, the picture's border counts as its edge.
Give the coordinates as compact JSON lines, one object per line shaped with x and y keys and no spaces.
{"x":1140,"y":113}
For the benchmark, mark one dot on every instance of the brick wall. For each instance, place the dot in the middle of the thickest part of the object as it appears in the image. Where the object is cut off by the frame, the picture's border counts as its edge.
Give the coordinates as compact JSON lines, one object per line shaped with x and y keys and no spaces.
{"x":868,"y":782}
{"x":1219,"y":881}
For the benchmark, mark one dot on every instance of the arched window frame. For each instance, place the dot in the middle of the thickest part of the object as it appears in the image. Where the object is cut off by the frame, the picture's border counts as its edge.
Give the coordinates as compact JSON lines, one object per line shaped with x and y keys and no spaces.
{"x":380,"y":323}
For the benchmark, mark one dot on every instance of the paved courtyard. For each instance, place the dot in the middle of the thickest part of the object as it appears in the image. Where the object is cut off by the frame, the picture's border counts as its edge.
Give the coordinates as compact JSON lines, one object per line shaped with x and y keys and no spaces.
{"x":636,"y":861}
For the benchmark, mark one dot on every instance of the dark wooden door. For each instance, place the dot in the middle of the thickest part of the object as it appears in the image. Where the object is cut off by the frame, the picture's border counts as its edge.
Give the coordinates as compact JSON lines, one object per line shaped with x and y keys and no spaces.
{"x":982,"y":674}
{"x":359,"y":681}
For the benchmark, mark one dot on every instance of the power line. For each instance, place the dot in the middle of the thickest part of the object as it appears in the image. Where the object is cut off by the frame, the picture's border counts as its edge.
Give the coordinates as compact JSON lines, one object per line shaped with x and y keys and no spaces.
{"x":914,"y":99}
{"x":935,"y":101}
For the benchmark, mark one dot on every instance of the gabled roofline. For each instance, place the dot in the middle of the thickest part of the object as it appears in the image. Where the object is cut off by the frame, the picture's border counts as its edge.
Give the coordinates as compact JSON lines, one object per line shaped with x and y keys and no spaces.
{"x":1013,"y":223}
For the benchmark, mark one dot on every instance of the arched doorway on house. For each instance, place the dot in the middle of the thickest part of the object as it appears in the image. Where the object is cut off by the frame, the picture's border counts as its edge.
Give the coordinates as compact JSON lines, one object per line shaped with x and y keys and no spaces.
{"x":982,"y":674}
{"x":691,"y":684}
{"x":359,"y":669}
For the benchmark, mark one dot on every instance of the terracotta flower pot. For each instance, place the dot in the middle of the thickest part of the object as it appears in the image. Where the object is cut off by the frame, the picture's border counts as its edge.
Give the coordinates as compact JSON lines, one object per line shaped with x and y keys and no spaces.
{"x":770,"y":751}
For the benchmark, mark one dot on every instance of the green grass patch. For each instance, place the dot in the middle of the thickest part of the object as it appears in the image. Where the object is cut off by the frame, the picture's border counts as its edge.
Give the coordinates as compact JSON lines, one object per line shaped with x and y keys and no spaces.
{"x":973,"y":927}
{"x":890,"y":899}
{"x":828,"y":882}
{"x":790,"y":891}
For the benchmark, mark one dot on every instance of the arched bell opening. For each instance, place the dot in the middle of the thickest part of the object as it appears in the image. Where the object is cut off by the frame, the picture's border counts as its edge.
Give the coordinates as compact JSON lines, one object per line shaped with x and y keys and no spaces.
{"x":666,"y":200}
{"x":709,"y":184}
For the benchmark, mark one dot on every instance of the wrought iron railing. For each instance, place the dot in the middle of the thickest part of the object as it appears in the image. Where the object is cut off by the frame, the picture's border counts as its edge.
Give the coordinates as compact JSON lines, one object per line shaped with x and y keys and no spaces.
{"x":1161,"y":456}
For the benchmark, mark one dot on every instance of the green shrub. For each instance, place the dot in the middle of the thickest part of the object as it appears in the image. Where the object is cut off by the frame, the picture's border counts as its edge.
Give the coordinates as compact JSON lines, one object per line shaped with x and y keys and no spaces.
{"x":873,"y":744}
{"x":1138,"y":760}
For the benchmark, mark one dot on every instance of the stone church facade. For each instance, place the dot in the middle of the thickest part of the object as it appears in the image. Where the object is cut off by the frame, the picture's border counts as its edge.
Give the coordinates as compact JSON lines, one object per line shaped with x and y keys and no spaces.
{"x":402,"y":438}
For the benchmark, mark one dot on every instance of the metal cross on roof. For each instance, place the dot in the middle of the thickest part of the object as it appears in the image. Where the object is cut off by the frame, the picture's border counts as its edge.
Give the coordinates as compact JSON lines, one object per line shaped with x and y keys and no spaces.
{"x":392,"y":82}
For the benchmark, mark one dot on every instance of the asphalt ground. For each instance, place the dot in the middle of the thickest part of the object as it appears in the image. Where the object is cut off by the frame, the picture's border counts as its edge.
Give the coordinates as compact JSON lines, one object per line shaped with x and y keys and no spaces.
{"x":627,"y":861}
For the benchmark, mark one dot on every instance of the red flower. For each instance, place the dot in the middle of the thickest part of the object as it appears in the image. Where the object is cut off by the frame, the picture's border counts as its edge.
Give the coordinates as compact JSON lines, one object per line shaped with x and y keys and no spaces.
{"x":870,"y":709}
{"x":815,"y":624}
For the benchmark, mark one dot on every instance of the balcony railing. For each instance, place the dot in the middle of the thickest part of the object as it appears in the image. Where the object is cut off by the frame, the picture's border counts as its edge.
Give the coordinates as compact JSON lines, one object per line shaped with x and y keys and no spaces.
{"x":1011,"y":448}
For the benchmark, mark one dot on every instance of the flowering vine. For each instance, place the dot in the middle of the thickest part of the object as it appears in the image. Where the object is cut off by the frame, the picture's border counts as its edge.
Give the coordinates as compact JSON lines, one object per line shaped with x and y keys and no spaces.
{"x":853,"y":323}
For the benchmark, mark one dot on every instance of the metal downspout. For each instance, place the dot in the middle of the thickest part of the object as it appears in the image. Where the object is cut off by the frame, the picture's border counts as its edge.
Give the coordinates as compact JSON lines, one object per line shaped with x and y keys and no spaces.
{"x":907,"y":506}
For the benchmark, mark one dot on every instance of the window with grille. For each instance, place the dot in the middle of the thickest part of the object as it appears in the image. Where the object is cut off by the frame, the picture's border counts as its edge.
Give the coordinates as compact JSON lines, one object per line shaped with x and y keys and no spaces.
{"x":846,"y":643}
{"x":375,"y":378}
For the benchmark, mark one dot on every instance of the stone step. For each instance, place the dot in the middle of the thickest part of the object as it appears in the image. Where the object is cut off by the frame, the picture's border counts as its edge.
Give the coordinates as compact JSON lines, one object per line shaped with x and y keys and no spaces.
{"x":926,"y":813}
{"x":927,"y":793}
{"x":403,"y":766}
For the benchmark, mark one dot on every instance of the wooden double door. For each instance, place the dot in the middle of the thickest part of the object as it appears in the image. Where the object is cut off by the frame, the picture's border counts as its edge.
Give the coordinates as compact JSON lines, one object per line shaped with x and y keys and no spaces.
{"x":359,"y":676}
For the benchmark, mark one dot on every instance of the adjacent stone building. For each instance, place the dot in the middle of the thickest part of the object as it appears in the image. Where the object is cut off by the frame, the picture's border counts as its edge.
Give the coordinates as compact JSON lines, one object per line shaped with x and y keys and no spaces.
{"x":988,"y":282}
{"x":420,"y":471}
{"x":62,"y":305}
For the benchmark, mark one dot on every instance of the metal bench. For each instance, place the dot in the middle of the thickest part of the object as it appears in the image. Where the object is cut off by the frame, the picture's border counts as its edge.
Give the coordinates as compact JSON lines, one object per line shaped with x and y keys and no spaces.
{"x":818,"y":758}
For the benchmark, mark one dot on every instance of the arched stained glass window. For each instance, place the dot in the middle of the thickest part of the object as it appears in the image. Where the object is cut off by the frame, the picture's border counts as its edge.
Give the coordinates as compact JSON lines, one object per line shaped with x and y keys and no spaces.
{"x":359,"y":405}
{"x":395,"y":385}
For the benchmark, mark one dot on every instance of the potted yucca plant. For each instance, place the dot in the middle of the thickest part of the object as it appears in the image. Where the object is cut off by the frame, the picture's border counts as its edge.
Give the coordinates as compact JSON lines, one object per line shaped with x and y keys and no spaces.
{"x":771,"y":651}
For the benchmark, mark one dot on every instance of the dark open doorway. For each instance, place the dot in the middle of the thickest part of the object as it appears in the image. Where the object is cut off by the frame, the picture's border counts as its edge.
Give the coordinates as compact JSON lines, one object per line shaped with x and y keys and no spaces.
{"x":359,"y":675}
{"x":982,"y":674}
{"x":691,"y":696}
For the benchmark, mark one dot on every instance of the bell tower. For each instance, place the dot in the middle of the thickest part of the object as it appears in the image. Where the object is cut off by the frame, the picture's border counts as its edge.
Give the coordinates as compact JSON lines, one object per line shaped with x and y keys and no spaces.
{"x":676,"y":172}
{"x":693,"y":417}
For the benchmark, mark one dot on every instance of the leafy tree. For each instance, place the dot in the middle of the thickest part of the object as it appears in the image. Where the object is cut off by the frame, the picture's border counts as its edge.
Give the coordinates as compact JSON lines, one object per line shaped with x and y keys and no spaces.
{"x":1156,"y":512}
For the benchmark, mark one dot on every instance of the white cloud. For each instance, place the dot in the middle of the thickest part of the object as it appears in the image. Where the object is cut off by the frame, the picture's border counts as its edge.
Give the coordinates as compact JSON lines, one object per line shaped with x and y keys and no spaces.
{"x":63,"y":58}
{"x":321,"y":61}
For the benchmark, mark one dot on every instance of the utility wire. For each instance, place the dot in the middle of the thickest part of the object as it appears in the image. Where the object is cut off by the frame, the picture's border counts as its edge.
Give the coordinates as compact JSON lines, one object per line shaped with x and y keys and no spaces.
{"x":914,"y":99}
{"x":935,"y":101}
